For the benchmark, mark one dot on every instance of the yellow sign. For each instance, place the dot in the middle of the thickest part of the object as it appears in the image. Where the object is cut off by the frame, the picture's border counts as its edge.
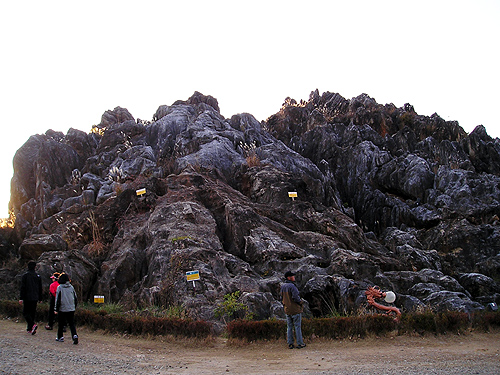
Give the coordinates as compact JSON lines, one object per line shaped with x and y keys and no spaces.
{"x":98,"y":299}
{"x":292,"y":194}
{"x":140,"y":191}
{"x":193,"y":275}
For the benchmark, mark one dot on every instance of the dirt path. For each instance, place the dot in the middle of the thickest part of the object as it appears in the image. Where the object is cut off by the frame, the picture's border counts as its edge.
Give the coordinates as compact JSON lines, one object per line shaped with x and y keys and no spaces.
{"x":97,"y":353}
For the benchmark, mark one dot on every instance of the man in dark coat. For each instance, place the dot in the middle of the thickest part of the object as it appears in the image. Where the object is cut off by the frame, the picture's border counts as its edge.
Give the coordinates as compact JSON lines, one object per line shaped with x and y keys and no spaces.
{"x":293,"y":310}
{"x":31,"y":294}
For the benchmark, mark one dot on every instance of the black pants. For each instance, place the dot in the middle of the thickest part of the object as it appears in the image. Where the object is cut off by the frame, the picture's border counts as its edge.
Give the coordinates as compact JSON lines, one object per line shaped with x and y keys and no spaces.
{"x":29,"y":313}
{"x":67,"y":317}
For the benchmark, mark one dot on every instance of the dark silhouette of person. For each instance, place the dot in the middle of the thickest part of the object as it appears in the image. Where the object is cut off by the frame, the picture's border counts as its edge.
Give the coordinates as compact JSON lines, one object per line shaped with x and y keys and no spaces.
{"x":30,"y":295}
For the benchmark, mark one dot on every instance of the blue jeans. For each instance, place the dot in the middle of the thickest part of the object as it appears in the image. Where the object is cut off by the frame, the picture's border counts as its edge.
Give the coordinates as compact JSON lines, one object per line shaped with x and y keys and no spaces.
{"x":294,"y":322}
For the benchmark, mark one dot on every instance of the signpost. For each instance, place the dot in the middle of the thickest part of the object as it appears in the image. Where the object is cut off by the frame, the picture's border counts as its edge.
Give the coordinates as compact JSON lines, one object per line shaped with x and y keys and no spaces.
{"x":192,"y":276}
{"x":98,"y":299}
{"x":292,"y":194}
{"x":140,"y":192}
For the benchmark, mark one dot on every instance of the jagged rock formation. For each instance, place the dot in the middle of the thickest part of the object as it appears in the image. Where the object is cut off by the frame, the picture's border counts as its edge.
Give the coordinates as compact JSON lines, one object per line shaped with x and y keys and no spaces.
{"x":385,"y":197}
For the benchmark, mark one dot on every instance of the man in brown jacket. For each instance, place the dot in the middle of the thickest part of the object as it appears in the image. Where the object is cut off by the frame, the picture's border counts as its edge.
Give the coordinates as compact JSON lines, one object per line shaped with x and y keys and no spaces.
{"x":293,"y":310}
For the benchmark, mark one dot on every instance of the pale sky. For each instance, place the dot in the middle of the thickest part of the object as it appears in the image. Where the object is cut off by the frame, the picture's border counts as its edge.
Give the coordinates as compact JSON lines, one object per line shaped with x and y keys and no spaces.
{"x":63,"y":63}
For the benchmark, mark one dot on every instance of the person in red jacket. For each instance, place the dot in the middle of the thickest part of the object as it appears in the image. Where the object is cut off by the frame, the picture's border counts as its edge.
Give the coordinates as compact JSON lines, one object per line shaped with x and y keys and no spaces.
{"x":52,"y":291}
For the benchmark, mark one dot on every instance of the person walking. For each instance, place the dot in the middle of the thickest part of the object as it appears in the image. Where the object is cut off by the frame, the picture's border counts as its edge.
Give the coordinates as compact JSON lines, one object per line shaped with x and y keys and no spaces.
{"x":30,"y":295}
{"x":52,"y":291}
{"x":292,"y":304}
{"x":65,"y":306}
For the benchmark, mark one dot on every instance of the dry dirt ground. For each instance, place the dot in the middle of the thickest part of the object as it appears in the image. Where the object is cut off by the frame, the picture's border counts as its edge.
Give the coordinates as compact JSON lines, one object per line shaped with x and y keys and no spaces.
{"x":98,"y":353}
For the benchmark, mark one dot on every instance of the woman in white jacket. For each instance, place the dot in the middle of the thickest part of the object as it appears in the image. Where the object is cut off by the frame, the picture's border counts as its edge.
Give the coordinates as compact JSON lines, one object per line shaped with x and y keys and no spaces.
{"x":65,"y":306}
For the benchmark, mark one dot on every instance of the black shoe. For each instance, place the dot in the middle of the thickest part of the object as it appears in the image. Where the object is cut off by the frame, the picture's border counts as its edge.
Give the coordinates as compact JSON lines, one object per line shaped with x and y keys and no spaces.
{"x":301,"y":346}
{"x":291,"y":346}
{"x":75,"y":339}
{"x":33,"y":330}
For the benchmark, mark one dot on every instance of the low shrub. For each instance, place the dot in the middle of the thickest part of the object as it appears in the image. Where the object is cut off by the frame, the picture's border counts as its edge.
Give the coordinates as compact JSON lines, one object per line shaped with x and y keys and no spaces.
{"x":11,"y":308}
{"x":139,"y":323}
{"x":452,"y":321}
{"x":380,"y":324}
{"x":418,"y":322}
{"x":354,"y":326}
{"x":143,"y":325}
{"x":363,"y":325}
{"x":449,"y":321}
{"x":337,"y":327}
{"x":100,"y":318}
{"x":484,"y":321}
{"x":252,"y":330}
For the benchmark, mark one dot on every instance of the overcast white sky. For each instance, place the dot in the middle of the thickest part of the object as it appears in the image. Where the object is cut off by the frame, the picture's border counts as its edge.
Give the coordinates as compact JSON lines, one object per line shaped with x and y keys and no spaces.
{"x":64,"y":63}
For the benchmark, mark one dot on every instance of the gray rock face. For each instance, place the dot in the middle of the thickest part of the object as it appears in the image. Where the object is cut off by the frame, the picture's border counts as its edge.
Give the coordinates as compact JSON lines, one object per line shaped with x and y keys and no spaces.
{"x":452,"y":301}
{"x":37,"y":244}
{"x":384,"y":197}
{"x":478,"y":285}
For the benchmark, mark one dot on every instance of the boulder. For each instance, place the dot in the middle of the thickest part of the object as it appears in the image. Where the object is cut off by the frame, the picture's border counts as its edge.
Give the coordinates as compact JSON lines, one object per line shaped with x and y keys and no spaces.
{"x":478,"y":285}
{"x":37,"y":244}
{"x":490,"y":267}
{"x":408,"y":176}
{"x":81,"y":271}
{"x":42,"y":164}
{"x":423,"y":290}
{"x":260,"y":304}
{"x":116,"y":116}
{"x":403,"y":281}
{"x":408,"y":303}
{"x":452,"y":301}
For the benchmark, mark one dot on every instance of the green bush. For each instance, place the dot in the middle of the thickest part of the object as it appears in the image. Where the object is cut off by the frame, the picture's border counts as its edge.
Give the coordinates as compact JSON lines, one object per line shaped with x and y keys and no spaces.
{"x":230,"y":308}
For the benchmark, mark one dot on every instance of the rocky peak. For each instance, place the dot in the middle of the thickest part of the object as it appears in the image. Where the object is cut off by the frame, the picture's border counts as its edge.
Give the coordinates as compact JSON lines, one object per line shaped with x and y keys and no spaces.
{"x":116,"y":116}
{"x":384,"y":197}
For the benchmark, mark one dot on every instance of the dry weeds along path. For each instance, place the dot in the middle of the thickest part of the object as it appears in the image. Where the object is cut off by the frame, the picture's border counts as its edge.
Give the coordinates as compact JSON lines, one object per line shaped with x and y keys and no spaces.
{"x":20,"y":353}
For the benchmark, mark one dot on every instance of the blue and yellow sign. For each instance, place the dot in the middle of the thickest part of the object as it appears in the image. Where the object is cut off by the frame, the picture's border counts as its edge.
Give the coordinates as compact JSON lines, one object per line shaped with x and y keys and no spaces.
{"x":193,"y":275}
